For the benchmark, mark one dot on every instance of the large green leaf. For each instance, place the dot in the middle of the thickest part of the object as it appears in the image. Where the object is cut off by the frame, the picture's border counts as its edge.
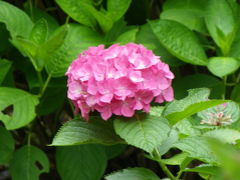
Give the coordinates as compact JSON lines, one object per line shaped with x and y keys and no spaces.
{"x":79,"y":11}
{"x":133,"y":174}
{"x":188,"y":12}
{"x":86,"y":162}
{"x":181,"y":85}
{"x":82,"y":132}
{"x":78,"y":38}
{"x":127,"y":37}
{"x":180,"y":41}
{"x":23,"y":107}
{"x":222,"y":66}
{"x":146,"y":37}
{"x":6,"y":145}
{"x":117,"y":8}
{"x":196,"y":101}
{"x":28,"y":163}
{"x":143,"y":131}
{"x":17,"y":22}
{"x":4,"y":68}
{"x":197,"y":147}
{"x":222,"y":32}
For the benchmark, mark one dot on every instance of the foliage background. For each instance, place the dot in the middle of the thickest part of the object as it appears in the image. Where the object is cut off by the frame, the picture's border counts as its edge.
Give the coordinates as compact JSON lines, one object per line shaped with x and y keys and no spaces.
{"x":40,"y":38}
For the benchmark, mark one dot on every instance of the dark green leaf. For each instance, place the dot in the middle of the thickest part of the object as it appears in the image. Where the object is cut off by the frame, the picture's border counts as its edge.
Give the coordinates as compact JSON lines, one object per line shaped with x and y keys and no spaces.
{"x":180,"y":41}
{"x":86,"y":162}
{"x":26,"y":161}
{"x":4,"y":68}
{"x":6,"y":145}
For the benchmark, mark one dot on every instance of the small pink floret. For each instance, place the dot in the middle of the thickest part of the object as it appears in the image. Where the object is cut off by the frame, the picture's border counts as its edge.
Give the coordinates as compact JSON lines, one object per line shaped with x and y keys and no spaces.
{"x":118,"y":80}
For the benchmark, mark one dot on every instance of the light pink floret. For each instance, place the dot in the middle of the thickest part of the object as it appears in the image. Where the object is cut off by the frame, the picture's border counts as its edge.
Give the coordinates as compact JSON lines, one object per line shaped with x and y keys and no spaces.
{"x":118,"y":80}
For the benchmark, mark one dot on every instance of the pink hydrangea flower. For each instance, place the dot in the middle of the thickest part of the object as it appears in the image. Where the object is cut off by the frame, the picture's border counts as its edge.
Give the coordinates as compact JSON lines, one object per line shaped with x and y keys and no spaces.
{"x":118,"y":80}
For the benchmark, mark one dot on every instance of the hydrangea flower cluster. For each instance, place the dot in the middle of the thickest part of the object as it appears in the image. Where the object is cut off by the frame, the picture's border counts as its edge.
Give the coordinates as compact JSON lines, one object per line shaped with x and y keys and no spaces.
{"x":118,"y":80}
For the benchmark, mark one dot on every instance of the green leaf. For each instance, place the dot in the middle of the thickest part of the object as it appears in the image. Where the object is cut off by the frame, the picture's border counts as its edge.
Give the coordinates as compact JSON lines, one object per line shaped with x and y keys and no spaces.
{"x":6,"y":145}
{"x":204,"y":168}
{"x":222,"y":32}
{"x":26,"y":161}
{"x":39,"y":32}
{"x":82,"y":132}
{"x":196,"y":101}
{"x":127,"y":37}
{"x":186,"y":128}
{"x":23,"y":107}
{"x":167,"y":144}
{"x":115,"y":150}
{"x":4,"y":68}
{"x":197,"y":147}
{"x":117,"y":8}
{"x":156,"y":111}
{"x":235,"y":93}
{"x":176,"y":159}
{"x":133,"y":174}
{"x":79,"y":11}
{"x":51,"y":46}
{"x":78,"y":38}
{"x":187,"y":12}
{"x":180,"y":41}
{"x":16,"y":21}
{"x":224,"y":135}
{"x":146,"y":37}
{"x":222,"y":66}
{"x":181,"y":85}
{"x":86,"y":162}
{"x":143,"y":131}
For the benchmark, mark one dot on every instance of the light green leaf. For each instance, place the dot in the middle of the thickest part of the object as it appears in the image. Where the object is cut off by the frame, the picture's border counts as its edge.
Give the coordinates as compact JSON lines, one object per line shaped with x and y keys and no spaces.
{"x":133,"y":174}
{"x":196,"y":101}
{"x":17,"y":22}
{"x":23,"y":107}
{"x":117,"y":8}
{"x":186,"y":128}
{"x":167,"y":144}
{"x":127,"y":37}
{"x":146,"y":37}
{"x":143,"y":131}
{"x":82,"y":132}
{"x":24,"y":165}
{"x":222,"y":66}
{"x":197,"y":147}
{"x":222,"y":32}
{"x":78,"y":38}
{"x":180,"y":41}
{"x":79,"y":11}
{"x":87,"y":162}
{"x":187,"y":12}
{"x":224,"y":135}
{"x":156,"y":111}
{"x":4,"y":68}
{"x":6,"y":145}
{"x":39,"y":32}
{"x":204,"y":168}
{"x":176,"y":159}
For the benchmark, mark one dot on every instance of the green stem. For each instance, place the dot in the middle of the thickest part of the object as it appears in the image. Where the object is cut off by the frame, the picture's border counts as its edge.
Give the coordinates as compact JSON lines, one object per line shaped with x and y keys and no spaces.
{"x":40,"y":78}
{"x":45,"y":85}
{"x":164,"y":167}
{"x":225,"y":85}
